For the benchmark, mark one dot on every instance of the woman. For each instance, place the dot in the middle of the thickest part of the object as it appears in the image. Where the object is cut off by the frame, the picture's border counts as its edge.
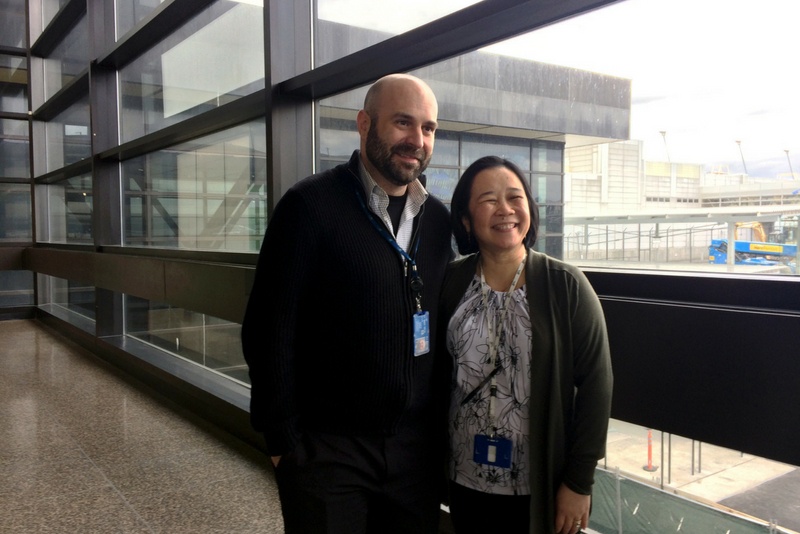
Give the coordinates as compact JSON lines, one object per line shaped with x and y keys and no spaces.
{"x":532,"y":374}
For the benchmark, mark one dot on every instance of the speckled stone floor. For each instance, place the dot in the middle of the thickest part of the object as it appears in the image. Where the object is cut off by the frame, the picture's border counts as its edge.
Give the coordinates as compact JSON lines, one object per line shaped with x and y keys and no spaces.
{"x":84,"y":450}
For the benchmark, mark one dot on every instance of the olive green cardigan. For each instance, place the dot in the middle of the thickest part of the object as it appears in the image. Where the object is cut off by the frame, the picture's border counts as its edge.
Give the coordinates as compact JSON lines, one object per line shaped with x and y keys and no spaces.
{"x":571,"y":378}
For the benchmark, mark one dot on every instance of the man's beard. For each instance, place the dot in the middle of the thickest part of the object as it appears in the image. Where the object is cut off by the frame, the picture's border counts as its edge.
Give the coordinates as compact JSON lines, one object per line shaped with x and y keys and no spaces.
{"x":380,"y":155}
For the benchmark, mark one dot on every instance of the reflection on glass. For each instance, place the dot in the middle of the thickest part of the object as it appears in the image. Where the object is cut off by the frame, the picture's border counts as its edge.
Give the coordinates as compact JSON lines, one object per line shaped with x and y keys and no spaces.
{"x":69,"y":210}
{"x":15,"y":212}
{"x":517,"y":151}
{"x":14,"y":149}
{"x":215,"y":58}
{"x":206,"y":194}
{"x":16,"y":288}
{"x":50,"y":9}
{"x":67,"y":136}
{"x":12,"y":24}
{"x":346,"y":26}
{"x":130,"y":12}
{"x":67,"y":295}
{"x":14,"y":83}
{"x":202,"y":339}
{"x":68,"y":59}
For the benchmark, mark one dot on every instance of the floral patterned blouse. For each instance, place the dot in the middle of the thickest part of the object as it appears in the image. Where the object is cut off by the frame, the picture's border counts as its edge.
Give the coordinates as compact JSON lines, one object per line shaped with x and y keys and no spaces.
{"x":468,"y":342}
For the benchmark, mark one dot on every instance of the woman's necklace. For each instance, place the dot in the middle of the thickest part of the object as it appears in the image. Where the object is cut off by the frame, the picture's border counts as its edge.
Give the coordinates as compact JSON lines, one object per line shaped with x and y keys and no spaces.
{"x":494,"y":332}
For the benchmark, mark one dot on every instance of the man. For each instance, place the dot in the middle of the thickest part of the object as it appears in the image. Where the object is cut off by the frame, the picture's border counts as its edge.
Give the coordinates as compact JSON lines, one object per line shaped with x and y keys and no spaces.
{"x":345,"y":383}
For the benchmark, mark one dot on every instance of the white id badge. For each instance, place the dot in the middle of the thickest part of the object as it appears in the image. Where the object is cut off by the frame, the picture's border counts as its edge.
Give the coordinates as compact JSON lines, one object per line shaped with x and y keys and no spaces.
{"x":422,"y":333}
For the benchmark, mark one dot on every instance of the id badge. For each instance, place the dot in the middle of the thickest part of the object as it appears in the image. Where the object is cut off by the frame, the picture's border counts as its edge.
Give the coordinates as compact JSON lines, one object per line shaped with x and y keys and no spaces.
{"x":492,"y":451}
{"x":422,"y":333}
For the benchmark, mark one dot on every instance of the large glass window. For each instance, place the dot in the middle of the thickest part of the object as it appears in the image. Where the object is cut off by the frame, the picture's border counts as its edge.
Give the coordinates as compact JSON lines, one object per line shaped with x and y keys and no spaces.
{"x":206,"y":194}
{"x":647,"y":460}
{"x":67,"y":298}
{"x":13,"y":83}
{"x":67,"y":211}
{"x":15,"y":212}
{"x":14,"y":149}
{"x":67,"y":138}
{"x":12,"y":24}
{"x":16,"y":288}
{"x":346,"y":26}
{"x":215,"y":58}
{"x":705,"y":141}
{"x":647,"y":158}
{"x":68,"y":59}
{"x":199,"y":338}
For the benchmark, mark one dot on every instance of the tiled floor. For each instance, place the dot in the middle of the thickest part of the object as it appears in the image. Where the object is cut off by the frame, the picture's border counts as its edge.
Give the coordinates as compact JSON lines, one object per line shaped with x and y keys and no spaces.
{"x":83,"y":450}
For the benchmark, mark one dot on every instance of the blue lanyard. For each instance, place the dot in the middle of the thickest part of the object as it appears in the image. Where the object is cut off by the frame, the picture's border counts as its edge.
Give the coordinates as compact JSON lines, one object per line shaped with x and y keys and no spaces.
{"x":415,"y":281}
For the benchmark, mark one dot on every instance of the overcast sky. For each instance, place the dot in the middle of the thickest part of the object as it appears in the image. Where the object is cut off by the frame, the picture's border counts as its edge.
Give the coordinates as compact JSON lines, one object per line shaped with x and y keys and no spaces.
{"x":707,"y":72}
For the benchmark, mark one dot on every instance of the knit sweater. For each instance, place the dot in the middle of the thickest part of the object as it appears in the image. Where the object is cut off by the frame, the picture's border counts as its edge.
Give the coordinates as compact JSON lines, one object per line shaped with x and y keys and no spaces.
{"x":328,"y":334}
{"x":571,"y":378}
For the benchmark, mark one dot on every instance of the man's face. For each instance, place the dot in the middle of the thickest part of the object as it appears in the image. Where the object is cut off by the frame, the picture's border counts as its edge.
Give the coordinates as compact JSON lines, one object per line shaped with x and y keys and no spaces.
{"x":397,"y":139}
{"x":400,"y":163}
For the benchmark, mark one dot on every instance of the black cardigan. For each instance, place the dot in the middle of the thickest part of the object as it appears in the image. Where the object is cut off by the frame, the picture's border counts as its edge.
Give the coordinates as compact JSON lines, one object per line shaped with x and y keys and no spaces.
{"x":328,"y":329}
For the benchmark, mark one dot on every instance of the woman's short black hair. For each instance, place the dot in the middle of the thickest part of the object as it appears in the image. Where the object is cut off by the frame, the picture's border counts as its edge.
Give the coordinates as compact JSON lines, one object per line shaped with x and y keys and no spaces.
{"x":459,"y":206}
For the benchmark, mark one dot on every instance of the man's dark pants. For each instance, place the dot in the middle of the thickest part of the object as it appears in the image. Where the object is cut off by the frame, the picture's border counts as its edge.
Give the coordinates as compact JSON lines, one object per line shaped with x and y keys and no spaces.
{"x":333,"y":484}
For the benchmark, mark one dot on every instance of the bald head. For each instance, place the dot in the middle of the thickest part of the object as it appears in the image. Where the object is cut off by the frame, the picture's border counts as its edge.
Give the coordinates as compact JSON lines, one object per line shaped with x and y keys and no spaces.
{"x":396,"y":82}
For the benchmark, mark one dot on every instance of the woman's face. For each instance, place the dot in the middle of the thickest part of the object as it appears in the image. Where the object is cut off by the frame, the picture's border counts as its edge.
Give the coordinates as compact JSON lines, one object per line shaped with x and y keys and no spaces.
{"x":499,"y":210}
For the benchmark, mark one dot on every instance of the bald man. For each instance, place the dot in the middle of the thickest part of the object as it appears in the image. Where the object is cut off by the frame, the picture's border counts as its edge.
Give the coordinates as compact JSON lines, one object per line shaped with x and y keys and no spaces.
{"x":338,"y":333}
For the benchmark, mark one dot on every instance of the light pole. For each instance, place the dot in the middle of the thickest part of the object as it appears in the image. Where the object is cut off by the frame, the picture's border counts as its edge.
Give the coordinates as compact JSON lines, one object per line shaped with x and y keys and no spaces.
{"x":790,"y":163}
{"x":739,"y":143}
{"x":666,"y":148}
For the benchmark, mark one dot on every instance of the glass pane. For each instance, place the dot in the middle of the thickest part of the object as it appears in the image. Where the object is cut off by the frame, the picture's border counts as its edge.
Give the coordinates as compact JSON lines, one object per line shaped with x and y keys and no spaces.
{"x":13,"y":83}
{"x":662,"y":477}
{"x":15,"y":213}
{"x":441,"y":183}
{"x":12,"y":24}
{"x":546,"y":189}
{"x":202,"y":339}
{"x":67,"y":136}
{"x":705,"y":160}
{"x":205,"y":194}
{"x":14,"y":149}
{"x":69,"y":210}
{"x":67,"y":295}
{"x":547,"y":156}
{"x":517,"y":151}
{"x":215,"y":58}
{"x":68,"y":59}
{"x":130,"y":12}
{"x":16,"y":288}
{"x":346,"y":26}
{"x":446,"y":149}
{"x":50,"y":9}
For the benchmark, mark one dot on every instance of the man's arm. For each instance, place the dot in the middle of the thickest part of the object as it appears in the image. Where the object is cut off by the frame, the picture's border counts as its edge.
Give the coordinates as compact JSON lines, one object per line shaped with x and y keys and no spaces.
{"x":269,"y":328}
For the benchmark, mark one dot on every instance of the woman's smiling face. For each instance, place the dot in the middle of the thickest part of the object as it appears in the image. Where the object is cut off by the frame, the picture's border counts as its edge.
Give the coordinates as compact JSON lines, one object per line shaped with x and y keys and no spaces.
{"x":499,"y":211}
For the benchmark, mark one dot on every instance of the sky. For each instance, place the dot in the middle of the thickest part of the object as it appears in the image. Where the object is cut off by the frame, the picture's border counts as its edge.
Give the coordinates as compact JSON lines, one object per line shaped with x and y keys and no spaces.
{"x":708,"y":73}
